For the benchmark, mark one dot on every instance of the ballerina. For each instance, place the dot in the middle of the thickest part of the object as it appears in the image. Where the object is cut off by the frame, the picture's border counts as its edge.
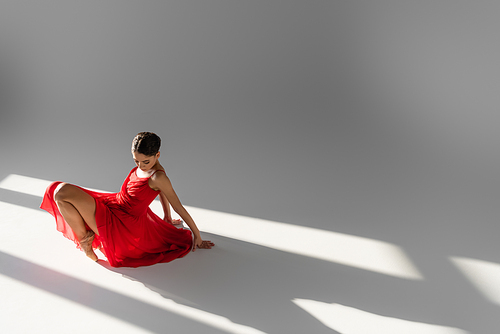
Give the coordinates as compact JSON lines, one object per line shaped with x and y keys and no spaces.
{"x":121,"y":224}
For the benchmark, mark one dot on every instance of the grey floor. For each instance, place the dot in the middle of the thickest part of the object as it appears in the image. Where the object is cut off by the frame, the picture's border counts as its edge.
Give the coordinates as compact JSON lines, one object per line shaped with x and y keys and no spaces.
{"x":343,"y":156}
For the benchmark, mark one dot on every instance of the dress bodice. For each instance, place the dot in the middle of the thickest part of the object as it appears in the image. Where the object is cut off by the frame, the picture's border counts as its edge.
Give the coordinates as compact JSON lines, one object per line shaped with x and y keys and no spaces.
{"x":136,"y":195}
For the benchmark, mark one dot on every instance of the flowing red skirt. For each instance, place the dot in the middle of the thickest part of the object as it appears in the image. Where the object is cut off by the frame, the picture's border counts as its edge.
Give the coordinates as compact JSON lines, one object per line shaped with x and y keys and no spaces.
{"x":126,"y":238}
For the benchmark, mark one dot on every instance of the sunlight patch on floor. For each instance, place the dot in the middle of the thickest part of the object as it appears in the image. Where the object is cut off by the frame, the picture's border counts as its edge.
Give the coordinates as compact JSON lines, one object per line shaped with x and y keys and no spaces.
{"x":25,"y":184}
{"x":484,"y":276}
{"x":27,"y":309}
{"x":349,"y":320}
{"x":364,"y":253}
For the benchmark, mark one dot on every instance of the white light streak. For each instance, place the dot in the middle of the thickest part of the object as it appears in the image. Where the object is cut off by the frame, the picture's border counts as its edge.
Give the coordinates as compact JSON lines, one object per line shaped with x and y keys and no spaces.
{"x":349,"y":320}
{"x":484,"y":275}
{"x":364,"y":253}
{"x":25,"y":184}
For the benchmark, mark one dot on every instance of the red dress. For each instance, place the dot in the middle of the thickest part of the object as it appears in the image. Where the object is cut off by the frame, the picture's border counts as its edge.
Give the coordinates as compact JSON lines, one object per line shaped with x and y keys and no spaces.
{"x":130,"y":234}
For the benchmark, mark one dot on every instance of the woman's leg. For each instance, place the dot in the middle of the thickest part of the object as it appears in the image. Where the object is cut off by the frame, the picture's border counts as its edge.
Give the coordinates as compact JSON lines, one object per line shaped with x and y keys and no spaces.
{"x":78,"y":208}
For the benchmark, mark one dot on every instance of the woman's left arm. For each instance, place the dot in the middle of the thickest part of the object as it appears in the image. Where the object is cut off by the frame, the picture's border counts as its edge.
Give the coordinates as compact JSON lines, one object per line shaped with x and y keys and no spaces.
{"x":166,"y":211}
{"x":166,"y":208}
{"x":161,"y":182}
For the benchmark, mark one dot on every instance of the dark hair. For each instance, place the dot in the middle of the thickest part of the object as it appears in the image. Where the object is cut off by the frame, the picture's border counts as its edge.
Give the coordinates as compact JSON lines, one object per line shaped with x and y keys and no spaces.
{"x":147,"y":143}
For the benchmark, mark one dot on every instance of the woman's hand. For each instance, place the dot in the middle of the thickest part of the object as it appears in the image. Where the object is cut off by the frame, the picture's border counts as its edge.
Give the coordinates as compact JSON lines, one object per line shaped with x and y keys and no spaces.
{"x":173,"y":221}
{"x":199,"y":243}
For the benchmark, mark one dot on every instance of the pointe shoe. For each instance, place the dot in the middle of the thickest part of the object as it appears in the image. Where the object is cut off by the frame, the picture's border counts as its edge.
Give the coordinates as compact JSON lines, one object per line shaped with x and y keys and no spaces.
{"x":86,"y":245}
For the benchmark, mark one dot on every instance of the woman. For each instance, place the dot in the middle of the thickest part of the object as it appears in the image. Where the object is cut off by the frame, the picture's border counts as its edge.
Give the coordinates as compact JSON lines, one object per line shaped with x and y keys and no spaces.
{"x":121,"y":224}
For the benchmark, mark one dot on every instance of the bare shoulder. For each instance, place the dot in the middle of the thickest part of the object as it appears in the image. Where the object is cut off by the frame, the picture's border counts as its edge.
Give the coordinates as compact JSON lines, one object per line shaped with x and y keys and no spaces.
{"x":160,"y":174}
{"x":159,"y":179}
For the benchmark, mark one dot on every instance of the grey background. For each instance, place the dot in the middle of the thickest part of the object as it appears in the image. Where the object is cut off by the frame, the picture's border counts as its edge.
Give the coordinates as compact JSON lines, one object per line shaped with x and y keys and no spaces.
{"x":371,"y":118}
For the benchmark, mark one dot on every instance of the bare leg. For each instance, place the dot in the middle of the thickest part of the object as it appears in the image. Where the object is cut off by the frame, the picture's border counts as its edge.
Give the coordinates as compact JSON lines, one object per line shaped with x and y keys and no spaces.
{"x":78,"y":208}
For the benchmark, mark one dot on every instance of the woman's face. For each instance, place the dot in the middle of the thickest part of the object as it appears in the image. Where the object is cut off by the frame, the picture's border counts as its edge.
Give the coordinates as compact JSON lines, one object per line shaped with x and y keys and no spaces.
{"x":145,"y":162}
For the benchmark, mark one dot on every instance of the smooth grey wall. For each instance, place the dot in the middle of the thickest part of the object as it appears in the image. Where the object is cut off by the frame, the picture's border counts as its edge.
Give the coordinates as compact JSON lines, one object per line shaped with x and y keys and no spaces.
{"x":374,"y":118}
{"x":342,"y":115}
{"x":330,"y":111}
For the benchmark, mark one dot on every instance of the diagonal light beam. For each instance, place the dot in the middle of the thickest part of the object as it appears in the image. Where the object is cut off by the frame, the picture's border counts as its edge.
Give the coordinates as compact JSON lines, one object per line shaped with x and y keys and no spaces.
{"x":484,"y":275}
{"x":349,"y":320}
{"x":364,"y":253}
